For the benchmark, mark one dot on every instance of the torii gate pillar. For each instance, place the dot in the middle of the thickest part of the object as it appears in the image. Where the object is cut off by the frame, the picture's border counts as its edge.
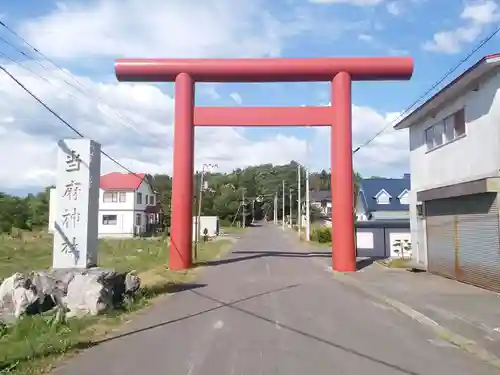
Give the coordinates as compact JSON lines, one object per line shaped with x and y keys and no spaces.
{"x":339,"y":71}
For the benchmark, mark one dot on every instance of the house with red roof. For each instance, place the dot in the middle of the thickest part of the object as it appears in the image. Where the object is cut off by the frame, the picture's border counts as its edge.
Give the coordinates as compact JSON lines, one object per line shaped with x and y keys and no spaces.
{"x":454,"y":146}
{"x":127,"y":205}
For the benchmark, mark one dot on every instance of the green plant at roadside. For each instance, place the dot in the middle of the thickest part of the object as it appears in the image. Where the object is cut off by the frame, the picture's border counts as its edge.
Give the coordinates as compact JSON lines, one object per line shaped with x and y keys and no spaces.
{"x":322,"y":235}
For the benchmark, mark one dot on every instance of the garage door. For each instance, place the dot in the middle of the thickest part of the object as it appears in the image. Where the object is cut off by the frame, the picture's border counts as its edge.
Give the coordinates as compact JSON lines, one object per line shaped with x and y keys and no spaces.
{"x":463,"y":239}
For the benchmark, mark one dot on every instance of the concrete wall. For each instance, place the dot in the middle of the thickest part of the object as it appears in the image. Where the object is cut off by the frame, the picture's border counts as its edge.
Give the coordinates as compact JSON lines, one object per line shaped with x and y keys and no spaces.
{"x":209,"y":222}
{"x":467,"y":158}
{"x":391,"y":215}
{"x":378,"y":242}
{"x":475,"y":155}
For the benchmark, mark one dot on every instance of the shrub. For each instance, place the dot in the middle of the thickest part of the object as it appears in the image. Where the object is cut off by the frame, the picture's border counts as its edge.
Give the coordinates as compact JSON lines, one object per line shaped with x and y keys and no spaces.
{"x":322,"y":235}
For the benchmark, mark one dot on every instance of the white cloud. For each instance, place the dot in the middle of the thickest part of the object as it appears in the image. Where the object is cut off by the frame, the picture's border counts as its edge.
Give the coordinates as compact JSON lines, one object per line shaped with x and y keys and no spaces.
{"x":108,"y":28}
{"x":475,"y":16}
{"x":129,"y":28}
{"x":394,"y":8}
{"x":28,"y":133}
{"x":350,"y":2}
{"x":365,"y":37}
{"x":236,"y":97}
{"x":387,"y":155}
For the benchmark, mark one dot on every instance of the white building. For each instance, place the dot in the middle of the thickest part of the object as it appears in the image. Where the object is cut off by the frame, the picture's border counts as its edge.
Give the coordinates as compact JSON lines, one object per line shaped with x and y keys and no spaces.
{"x":455,"y":179}
{"x":127,"y":206}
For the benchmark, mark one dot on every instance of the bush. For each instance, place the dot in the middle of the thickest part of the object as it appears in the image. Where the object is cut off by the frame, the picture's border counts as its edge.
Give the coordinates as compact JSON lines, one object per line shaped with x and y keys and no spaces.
{"x":322,"y":235}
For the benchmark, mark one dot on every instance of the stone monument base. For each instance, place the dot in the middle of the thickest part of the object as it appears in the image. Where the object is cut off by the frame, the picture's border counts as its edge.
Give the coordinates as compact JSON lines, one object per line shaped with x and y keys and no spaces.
{"x":77,"y":292}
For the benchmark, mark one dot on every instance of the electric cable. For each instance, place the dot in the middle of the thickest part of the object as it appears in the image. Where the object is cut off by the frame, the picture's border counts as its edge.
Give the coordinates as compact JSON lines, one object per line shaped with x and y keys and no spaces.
{"x":437,"y":83}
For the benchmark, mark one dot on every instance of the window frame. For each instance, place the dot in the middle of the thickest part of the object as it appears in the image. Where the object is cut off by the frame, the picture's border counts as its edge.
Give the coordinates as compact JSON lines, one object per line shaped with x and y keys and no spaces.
{"x":447,"y":129}
{"x":106,"y":220}
{"x":110,"y":197}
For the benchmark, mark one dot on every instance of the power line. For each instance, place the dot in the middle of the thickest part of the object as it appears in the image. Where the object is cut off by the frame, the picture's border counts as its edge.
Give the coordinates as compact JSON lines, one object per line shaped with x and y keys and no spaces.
{"x":79,"y":85}
{"x":76,"y":131}
{"x":437,"y":83}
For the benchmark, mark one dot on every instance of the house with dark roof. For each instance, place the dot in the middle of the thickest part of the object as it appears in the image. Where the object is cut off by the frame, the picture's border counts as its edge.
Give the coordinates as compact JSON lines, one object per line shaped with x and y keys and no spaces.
{"x":455,"y":176}
{"x":321,"y":201}
{"x":127,"y":205}
{"x":383,"y":199}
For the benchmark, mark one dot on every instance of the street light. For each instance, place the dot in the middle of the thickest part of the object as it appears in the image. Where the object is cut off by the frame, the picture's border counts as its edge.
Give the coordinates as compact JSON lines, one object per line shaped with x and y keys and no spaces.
{"x":204,"y":167}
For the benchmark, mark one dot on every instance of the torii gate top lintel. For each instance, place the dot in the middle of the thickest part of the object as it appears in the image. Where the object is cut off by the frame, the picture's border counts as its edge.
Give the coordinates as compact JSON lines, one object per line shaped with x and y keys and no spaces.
{"x":265,"y":69}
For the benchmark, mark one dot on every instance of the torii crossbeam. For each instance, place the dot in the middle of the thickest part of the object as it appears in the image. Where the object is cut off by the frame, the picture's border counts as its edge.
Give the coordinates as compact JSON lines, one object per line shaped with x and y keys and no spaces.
{"x":339,"y":71}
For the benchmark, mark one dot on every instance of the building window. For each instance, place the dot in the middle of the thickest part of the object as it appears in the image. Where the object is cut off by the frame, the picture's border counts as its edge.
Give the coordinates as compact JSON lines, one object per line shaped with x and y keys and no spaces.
{"x":383,"y":199}
{"x":403,"y":197}
{"x":139,"y":198}
{"x":438,"y":134}
{"x":445,"y":131}
{"x":449,"y":129}
{"x":429,"y":138}
{"x":459,"y":118}
{"x":152,"y":200}
{"x":123,"y":196}
{"x":109,"y":219}
{"x":146,"y":199}
{"x":137,"y":219}
{"x":109,"y":197}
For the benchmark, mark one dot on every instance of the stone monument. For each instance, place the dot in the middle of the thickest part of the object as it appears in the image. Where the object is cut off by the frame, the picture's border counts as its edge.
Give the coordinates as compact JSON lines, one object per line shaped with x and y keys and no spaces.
{"x":76,"y":208}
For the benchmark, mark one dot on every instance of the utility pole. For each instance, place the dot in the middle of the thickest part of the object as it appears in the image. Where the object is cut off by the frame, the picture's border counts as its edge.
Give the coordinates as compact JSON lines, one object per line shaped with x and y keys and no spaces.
{"x":299,"y":208}
{"x":243,"y":210}
{"x":276,"y":208}
{"x":200,"y":198}
{"x":308,"y":208}
{"x":283,"y":217}
{"x":291,"y":208}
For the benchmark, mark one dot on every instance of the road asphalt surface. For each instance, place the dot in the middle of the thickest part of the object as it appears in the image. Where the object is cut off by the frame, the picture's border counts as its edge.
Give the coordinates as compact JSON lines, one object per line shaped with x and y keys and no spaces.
{"x":272,"y":308}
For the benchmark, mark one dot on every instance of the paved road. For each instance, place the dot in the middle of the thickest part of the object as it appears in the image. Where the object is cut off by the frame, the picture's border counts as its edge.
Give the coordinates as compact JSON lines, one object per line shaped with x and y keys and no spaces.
{"x":271,"y":309}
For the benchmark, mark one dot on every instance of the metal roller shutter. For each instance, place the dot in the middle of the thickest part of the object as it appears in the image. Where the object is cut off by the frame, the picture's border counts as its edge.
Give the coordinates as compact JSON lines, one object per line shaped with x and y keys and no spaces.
{"x":440,"y":253}
{"x":463,"y":239}
{"x":479,"y":244}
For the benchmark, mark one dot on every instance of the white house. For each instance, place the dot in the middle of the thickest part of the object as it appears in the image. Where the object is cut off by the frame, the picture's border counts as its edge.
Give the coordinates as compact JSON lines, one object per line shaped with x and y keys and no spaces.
{"x":127,"y":205}
{"x":455,"y":179}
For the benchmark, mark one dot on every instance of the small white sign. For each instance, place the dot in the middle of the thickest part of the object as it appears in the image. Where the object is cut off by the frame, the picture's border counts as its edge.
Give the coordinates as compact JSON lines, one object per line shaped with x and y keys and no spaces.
{"x":75,"y":221}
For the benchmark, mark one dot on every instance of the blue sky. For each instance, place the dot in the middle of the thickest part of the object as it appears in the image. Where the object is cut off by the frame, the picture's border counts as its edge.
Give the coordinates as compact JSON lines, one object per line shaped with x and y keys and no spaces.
{"x":86,"y":36}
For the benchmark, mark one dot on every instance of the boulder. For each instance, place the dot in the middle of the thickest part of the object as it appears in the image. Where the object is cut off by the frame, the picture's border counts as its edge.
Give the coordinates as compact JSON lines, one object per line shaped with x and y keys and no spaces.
{"x":17,"y":294}
{"x":78,"y":292}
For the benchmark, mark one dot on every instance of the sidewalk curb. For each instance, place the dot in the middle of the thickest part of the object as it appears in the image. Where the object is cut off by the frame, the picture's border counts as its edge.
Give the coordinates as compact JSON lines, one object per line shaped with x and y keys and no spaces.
{"x":460,"y":341}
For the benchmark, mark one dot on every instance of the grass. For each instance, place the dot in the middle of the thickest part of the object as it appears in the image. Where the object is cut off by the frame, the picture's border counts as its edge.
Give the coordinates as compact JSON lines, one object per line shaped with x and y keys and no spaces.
{"x":34,"y":344}
{"x":395,"y":263}
{"x":233,"y":229}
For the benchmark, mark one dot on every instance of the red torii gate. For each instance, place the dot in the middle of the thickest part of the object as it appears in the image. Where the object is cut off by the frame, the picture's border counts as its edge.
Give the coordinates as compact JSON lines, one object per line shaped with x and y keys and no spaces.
{"x":339,"y":71}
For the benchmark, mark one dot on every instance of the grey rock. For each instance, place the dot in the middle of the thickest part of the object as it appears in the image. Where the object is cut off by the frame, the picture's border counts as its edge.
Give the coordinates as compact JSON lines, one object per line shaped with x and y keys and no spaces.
{"x":132,"y":283}
{"x":75,"y":292}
